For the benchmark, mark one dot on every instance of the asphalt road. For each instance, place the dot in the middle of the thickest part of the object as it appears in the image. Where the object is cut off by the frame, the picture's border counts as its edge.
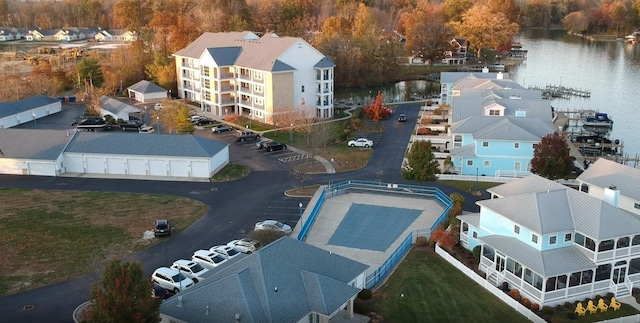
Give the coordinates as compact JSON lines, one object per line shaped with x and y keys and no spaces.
{"x":234,"y":208}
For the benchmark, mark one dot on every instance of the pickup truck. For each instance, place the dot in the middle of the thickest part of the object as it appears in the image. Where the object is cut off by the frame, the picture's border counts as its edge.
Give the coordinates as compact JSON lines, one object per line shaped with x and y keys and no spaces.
{"x":92,"y":124}
{"x":131,"y":126}
{"x":246,"y":135}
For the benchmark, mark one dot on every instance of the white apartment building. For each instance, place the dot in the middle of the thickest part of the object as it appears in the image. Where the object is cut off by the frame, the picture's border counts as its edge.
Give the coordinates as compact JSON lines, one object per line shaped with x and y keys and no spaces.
{"x":258,"y":77}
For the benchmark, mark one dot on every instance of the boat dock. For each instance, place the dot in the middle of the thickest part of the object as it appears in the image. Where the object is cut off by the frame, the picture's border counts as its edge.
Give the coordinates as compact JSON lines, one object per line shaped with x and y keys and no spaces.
{"x":560,"y":92}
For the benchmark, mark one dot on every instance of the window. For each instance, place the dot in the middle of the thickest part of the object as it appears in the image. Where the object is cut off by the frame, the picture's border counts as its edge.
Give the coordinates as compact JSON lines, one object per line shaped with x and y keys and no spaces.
{"x":605,"y":245}
{"x":486,"y":163}
{"x":603,"y":272}
{"x":494,"y":112}
{"x":622,"y":242}
{"x":528,"y":276}
{"x":534,"y":238}
{"x":567,"y":237}
{"x":303,"y":89}
{"x":474,"y":234}
{"x":514,"y":267}
{"x":465,"y":227}
{"x":206,"y":83}
{"x":636,"y":240}
{"x":469,"y":162}
{"x":552,"y":240}
{"x":485,"y":144}
{"x":516,"y":145}
{"x":634,"y":266}
{"x":205,"y":71}
{"x":517,"y":166}
{"x":516,"y":229}
{"x":585,"y":242}
{"x":488,"y":252}
{"x":636,"y":205}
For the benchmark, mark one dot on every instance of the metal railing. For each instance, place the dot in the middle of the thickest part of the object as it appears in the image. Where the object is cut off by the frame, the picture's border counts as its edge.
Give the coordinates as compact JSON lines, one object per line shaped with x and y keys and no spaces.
{"x":302,"y":235}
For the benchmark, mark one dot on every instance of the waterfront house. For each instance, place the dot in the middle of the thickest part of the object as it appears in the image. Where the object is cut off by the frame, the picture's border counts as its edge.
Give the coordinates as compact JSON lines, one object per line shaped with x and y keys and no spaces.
{"x":553,"y":243}
{"x":449,"y":79}
{"x":614,"y":182}
{"x":287,"y":281}
{"x":459,"y":52}
{"x":258,"y":77}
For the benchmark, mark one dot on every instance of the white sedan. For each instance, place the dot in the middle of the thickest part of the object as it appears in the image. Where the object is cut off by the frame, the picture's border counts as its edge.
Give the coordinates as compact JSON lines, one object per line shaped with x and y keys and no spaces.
{"x":244,"y":245}
{"x":272,"y":225}
{"x":360,"y":142}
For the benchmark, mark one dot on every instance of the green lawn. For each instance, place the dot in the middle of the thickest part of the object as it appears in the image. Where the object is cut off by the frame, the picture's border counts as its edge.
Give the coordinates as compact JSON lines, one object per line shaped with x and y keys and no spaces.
{"x":434,"y":291}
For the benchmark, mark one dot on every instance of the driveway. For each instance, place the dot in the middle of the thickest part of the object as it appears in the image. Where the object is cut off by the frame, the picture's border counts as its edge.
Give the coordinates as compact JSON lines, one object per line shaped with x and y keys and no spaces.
{"x":235,"y":207}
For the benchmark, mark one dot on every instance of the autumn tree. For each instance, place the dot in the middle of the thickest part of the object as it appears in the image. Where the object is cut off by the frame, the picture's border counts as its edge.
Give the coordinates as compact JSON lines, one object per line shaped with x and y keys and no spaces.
{"x":538,"y":13}
{"x":509,"y":8}
{"x":420,"y":164}
{"x":454,"y":9}
{"x":377,"y":110}
{"x":162,"y":71}
{"x":483,"y":28}
{"x":575,"y":22}
{"x":132,"y":14}
{"x":174,"y":117}
{"x":123,"y":295}
{"x":551,"y":158}
{"x":426,"y":32}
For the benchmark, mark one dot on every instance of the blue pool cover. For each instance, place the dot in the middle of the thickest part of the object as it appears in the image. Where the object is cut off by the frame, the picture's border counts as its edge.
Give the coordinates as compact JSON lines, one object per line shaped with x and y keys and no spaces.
{"x":372,"y":227}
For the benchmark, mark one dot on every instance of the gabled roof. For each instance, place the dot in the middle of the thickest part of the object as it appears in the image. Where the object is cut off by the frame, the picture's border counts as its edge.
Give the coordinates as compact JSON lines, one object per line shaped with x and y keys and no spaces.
{"x":530,"y":184}
{"x":463,"y":107}
{"x":525,"y":94}
{"x":145,"y":86}
{"x":115,"y":106}
{"x":605,"y":173}
{"x":12,"y":108}
{"x":282,"y":282}
{"x":121,"y":143}
{"x":46,"y":32}
{"x":325,"y":62}
{"x":280,"y":66}
{"x":503,"y":128}
{"x":474,"y":83}
{"x":472,"y":218}
{"x":454,"y":77}
{"x":225,"y":56}
{"x":464,"y":151}
{"x":546,"y":263}
{"x":33,"y":143}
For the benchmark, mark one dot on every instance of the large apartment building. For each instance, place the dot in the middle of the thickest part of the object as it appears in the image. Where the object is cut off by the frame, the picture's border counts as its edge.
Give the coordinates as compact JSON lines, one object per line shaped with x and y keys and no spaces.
{"x":258,"y":77}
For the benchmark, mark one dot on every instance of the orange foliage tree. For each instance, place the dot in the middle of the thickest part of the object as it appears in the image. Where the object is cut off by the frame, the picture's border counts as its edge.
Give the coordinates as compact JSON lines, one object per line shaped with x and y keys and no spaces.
{"x":446,"y":239}
{"x":377,"y":110}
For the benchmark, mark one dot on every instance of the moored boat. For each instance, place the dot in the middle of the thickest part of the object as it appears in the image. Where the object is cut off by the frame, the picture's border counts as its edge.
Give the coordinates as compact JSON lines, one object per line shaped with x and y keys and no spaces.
{"x":598,"y":120}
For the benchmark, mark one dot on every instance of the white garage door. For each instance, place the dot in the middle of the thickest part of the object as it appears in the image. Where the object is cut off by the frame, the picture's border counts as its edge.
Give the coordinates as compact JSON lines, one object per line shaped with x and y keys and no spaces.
{"x":179,"y":168}
{"x":41,"y":169}
{"x":158,"y":167}
{"x":11,"y":166}
{"x":95,"y":165}
{"x":73,"y":164}
{"x":116,"y":166}
{"x":199,"y":169}
{"x":137,"y":167}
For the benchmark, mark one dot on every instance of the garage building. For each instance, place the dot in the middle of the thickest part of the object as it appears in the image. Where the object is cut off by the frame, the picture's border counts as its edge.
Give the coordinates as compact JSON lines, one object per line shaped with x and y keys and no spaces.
{"x":32,"y":151}
{"x":27,"y":110}
{"x":145,"y":92}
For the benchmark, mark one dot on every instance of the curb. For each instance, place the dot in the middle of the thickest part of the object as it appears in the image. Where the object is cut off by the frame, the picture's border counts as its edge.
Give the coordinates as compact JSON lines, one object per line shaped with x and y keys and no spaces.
{"x":77,"y":313}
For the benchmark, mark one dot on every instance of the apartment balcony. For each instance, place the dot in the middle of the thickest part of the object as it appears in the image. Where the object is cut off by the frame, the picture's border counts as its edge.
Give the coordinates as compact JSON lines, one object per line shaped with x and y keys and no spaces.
{"x":227,"y":102}
{"x":226,"y":76}
{"x":244,"y":77}
{"x":226,"y":88}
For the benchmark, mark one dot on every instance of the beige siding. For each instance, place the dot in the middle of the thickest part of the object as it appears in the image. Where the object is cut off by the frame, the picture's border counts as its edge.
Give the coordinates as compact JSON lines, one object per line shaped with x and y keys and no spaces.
{"x":279,"y":93}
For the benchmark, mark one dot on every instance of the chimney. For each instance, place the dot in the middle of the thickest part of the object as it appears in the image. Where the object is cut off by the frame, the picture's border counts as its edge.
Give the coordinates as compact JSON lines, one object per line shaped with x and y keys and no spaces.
{"x":500,"y":76}
{"x":485,"y":70}
{"x":611,"y":195}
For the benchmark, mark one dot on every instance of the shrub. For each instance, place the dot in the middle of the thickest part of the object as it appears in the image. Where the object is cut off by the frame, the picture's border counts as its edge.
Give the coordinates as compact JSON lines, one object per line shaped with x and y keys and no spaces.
{"x":362,"y":308}
{"x":476,"y":253}
{"x":609,"y":295}
{"x":569,"y":305}
{"x":526,"y":302}
{"x":423,"y":131}
{"x":571,"y":315}
{"x":534,"y":307}
{"x":558,"y":308}
{"x":421,"y":241}
{"x":515,"y":294}
{"x":365,"y":294}
{"x":548,"y":310}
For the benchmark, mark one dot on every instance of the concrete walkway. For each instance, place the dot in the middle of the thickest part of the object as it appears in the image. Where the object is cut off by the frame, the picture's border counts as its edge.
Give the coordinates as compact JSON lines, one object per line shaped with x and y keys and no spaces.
{"x":630,"y":300}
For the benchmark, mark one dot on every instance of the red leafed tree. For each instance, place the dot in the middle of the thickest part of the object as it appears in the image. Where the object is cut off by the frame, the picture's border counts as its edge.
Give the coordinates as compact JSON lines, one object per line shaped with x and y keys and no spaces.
{"x":446,"y":239}
{"x":377,"y":110}
{"x":551,"y":158}
{"x":123,"y":295}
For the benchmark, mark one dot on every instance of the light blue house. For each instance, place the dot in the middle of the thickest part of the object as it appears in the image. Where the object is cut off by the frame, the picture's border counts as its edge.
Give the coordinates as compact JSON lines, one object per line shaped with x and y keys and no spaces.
{"x":449,"y":79}
{"x":495,"y":125}
{"x":553,"y":243}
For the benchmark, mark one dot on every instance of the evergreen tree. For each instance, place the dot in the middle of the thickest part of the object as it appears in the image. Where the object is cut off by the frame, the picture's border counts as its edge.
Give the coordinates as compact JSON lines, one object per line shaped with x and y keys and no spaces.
{"x":421,"y":164}
{"x":123,"y":295}
{"x":551,"y":158}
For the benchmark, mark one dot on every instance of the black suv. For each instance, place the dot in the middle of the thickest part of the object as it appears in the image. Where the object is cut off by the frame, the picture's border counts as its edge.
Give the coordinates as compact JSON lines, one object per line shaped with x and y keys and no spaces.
{"x":274,"y":145}
{"x":162,"y":228}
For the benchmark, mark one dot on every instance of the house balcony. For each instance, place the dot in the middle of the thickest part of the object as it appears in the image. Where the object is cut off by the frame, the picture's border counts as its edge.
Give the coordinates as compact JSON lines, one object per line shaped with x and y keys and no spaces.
{"x":618,"y":253}
{"x":226,"y":88}
{"x":226,"y":76}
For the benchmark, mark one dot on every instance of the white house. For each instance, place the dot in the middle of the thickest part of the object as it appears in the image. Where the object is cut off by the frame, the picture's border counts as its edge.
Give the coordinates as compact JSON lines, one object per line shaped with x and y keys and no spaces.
{"x":115,"y":35}
{"x":118,"y":109}
{"x":312,"y":285}
{"x":27,"y":110}
{"x":553,"y":243}
{"x":614,"y":182}
{"x":259,"y":77}
{"x":145,"y":91}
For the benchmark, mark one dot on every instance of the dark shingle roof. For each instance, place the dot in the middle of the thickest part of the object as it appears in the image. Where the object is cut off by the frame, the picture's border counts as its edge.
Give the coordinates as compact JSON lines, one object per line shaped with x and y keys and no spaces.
{"x":325,"y":62}
{"x":225,"y":56}
{"x":11,"y":108}
{"x":145,"y":86}
{"x":147,"y":145}
{"x":282,"y":282}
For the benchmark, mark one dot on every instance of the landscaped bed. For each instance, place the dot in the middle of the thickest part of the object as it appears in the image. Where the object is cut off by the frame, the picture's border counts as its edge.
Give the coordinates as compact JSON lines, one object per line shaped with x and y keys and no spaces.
{"x":52,"y":236}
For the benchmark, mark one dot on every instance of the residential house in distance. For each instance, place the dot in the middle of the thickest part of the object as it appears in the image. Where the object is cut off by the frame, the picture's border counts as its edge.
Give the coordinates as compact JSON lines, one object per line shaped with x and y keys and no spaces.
{"x":116,"y":35}
{"x":558,"y":245}
{"x":494,"y":131}
{"x":312,"y":285}
{"x":458,"y":54}
{"x":7,"y":34}
{"x":119,"y":110}
{"x":258,"y":77}
{"x":449,"y":79}
{"x":614,"y":182}
{"x":42,"y":35}
{"x":145,"y":92}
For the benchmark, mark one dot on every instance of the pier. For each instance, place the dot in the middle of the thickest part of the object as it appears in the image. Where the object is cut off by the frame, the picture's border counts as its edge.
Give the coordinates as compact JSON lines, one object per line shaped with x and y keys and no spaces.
{"x":560,"y":92}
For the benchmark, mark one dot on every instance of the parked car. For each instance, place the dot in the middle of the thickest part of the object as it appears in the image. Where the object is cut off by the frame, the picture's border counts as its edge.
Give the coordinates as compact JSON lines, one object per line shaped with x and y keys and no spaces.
{"x":190,"y":268}
{"x":157,"y":106}
{"x":274,"y":145}
{"x":227,"y":251}
{"x":221,"y":128}
{"x":272,"y":225}
{"x":146,"y":130}
{"x":202,"y":121}
{"x":402,"y":118}
{"x":171,"y":279}
{"x":360,"y":142}
{"x":159,"y":292}
{"x":162,"y":228}
{"x":208,"y":259}
{"x":244,"y":245}
{"x":261,"y":143}
{"x":246,"y":135}
{"x":135,"y":125}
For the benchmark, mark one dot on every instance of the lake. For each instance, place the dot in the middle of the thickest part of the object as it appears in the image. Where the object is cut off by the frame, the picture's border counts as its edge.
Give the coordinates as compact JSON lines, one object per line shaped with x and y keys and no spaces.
{"x":609,"y":69}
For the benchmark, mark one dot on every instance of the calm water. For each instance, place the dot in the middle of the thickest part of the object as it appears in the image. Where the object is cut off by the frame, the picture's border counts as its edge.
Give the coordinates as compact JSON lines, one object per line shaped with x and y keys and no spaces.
{"x":610,"y":70}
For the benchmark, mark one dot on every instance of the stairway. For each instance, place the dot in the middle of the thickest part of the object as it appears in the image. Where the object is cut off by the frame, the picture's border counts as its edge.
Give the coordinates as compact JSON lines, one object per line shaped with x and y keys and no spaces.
{"x":493,"y":279}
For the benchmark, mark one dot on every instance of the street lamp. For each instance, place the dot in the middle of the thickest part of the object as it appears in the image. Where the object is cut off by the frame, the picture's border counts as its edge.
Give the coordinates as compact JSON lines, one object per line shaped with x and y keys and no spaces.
{"x":476,"y":180}
{"x":332,"y":171}
{"x":275,"y":129}
{"x":145,"y":115}
{"x":291,"y":135}
{"x":300,"y":206}
{"x":120,"y":86}
{"x":169,"y":94}
{"x":158,"y":118}
{"x":35,"y":124}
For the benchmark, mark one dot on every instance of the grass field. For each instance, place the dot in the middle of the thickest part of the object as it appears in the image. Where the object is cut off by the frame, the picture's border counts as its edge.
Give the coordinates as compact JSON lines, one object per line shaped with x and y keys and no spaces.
{"x":434,"y":291}
{"x":52,"y":236}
